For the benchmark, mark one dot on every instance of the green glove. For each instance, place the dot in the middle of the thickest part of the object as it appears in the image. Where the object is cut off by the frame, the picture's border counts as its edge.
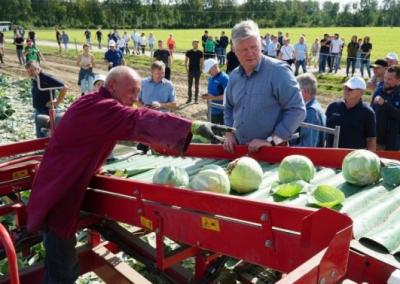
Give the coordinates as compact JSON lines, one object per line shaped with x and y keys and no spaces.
{"x":207,"y":129}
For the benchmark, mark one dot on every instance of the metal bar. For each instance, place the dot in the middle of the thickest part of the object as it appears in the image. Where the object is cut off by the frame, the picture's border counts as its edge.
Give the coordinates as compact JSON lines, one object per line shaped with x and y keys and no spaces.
{"x":11,"y":255}
{"x":28,"y":146}
{"x":336,"y":137}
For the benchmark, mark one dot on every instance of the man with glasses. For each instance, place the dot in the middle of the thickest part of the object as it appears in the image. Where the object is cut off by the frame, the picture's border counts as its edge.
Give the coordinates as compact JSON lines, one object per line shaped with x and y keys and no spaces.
{"x":355,"y":118}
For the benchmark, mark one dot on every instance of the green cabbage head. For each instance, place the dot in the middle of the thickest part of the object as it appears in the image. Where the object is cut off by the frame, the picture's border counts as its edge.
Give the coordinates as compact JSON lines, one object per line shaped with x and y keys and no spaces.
{"x":361,"y":167}
{"x":171,"y":175}
{"x":245,"y":174}
{"x":211,"y":178}
{"x":296,"y":167}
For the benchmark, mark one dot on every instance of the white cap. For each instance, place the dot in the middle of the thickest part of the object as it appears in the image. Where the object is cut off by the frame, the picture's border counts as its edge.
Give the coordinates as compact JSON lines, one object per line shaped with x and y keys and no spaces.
{"x":208,"y":64}
{"x":99,"y":77}
{"x":111,"y":43}
{"x":356,"y":83}
{"x":392,"y":56}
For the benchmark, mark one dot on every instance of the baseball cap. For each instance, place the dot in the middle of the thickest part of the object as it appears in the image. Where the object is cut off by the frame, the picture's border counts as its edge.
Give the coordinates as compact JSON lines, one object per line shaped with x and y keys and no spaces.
{"x":208,"y":64}
{"x":111,"y":43}
{"x":392,"y":56}
{"x":380,"y":63}
{"x":99,"y":77}
{"x":356,"y":83}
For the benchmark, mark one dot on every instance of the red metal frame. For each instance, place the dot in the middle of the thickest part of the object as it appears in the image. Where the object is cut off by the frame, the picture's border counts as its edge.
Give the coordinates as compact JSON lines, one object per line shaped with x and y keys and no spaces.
{"x":11,"y":255}
{"x":309,"y":245}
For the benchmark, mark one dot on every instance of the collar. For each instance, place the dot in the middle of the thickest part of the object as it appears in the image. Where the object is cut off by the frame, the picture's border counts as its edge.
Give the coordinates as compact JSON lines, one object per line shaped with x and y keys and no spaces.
{"x":217,"y":75}
{"x":151,"y":80}
{"x":359,"y":104}
{"x":105,"y":93}
{"x":256,"y":70}
{"x":310,"y":102}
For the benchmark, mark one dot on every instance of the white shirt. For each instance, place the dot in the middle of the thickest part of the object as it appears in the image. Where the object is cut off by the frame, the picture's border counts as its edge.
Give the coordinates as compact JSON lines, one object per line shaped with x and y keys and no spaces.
{"x":135,"y":37}
{"x":287,"y":52}
{"x":336,"y":45}
{"x":126,"y":38}
{"x":152,"y":40}
{"x":121,"y":43}
{"x":143,"y":40}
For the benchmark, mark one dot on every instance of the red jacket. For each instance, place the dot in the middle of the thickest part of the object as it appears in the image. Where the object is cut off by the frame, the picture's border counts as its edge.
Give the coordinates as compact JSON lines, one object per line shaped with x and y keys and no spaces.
{"x":81,"y":143}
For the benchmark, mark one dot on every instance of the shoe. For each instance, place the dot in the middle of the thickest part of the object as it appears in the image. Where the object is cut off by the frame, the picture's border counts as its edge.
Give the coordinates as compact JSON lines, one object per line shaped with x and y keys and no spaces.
{"x":188,"y":101}
{"x":196,"y":102}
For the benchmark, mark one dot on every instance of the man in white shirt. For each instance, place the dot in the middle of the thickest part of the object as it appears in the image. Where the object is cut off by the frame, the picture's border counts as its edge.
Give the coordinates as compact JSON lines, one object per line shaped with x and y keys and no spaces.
{"x":135,"y":39}
{"x":300,"y":51}
{"x":287,"y":52}
{"x":336,"y":50}
{"x":273,"y":47}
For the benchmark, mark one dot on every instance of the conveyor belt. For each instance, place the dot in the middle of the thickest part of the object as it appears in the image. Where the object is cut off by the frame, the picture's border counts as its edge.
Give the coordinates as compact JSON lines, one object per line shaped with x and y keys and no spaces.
{"x":374,"y":209}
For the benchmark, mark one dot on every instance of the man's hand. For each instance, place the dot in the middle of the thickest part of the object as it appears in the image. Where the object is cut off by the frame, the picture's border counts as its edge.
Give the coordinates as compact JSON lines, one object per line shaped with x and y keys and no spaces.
{"x":155,"y":105}
{"x":206,"y":130}
{"x":256,"y":144}
{"x":379,"y":100}
{"x":230,"y":142}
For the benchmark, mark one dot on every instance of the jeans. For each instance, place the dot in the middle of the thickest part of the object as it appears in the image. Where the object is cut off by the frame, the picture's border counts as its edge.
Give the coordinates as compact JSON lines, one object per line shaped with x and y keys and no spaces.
{"x":20,"y":55}
{"x":322,"y":62}
{"x":351,"y":61}
{"x":223,"y":56}
{"x":61,"y":261}
{"x":366,"y":63}
{"x":99,"y":43}
{"x":86,"y":84}
{"x":335,"y":57}
{"x":196,"y":76}
{"x":303,"y":65}
{"x":151,"y":47}
{"x":38,"y":128}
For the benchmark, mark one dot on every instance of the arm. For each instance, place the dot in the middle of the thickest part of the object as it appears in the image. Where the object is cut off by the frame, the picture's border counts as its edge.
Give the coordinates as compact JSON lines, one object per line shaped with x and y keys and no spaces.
{"x":186,"y":63}
{"x":170,"y":61}
{"x":287,"y":92}
{"x":41,"y":56}
{"x":391,"y":110}
{"x":61,"y":96}
{"x":92,"y":61}
{"x":371,"y":144}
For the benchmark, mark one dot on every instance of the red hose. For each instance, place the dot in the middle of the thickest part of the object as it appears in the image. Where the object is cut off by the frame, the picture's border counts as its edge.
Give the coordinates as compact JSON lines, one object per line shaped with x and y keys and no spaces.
{"x":11,"y":255}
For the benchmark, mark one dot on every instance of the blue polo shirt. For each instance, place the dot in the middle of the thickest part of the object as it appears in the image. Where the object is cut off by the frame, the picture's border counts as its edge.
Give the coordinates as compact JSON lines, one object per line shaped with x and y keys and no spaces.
{"x":356,"y":124}
{"x":216,"y":87}
{"x":163,"y":92}
{"x":114,"y":56}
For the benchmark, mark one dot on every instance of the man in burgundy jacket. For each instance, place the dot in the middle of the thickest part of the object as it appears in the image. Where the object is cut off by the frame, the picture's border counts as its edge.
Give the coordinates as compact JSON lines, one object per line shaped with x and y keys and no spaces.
{"x":81,"y":143}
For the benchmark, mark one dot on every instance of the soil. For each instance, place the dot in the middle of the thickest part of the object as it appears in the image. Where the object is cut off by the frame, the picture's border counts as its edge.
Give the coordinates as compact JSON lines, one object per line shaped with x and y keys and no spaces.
{"x":66,"y":70}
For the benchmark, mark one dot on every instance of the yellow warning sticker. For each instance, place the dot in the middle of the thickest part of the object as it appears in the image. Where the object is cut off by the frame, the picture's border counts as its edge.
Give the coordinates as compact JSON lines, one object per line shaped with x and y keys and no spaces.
{"x":20,"y":174}
{"x":210,"y":224}
{"x":147,"y":223}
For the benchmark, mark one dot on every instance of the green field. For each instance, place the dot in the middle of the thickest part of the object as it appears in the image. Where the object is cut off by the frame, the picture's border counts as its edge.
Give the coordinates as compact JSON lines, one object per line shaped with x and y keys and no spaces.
{"x":383,"y":40}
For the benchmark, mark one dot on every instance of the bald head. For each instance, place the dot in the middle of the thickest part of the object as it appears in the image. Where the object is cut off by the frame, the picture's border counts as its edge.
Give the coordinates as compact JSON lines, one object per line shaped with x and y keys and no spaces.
{"x":124,"y":84}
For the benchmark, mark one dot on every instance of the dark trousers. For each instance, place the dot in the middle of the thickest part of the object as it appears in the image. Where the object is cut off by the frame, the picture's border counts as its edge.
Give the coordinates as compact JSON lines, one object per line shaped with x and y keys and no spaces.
{"x":352,"y":62}
{"x":196,"y":76}
{"x":61,"y":261}
{"x":167,"y":73}
{"x":322,"y":62}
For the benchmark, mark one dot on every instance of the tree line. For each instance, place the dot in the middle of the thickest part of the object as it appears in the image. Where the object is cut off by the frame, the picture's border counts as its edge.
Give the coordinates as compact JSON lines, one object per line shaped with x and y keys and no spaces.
{"x":197,"y":13}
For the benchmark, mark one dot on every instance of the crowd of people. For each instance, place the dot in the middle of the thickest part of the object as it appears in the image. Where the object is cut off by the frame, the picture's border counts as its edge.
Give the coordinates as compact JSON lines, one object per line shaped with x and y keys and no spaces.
{"x":259,"y":96}
{"x":371,"y":126}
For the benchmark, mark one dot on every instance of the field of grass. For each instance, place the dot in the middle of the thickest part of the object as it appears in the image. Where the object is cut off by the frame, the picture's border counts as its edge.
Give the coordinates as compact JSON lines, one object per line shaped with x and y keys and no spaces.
{"x":383,"y":39}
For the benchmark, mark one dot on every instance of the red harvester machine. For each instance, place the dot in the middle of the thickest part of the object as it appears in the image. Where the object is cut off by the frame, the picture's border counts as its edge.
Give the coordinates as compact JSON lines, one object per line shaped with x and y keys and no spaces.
{"x":306,"y":245}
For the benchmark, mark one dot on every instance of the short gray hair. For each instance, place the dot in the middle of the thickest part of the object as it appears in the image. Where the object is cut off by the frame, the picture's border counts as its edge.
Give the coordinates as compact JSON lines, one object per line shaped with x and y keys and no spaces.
{"x":244,"y":30}
{"x":119,"y":72}
{"x":309,"y":82}
{"x":159,"y":65}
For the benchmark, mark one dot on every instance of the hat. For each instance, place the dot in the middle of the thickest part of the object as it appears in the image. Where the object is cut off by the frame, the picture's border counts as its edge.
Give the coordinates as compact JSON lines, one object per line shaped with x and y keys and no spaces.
{"x":111,"y":43}
{"x":356,"y":83}
{"x":392,"y":56}
{"x":208,"y":64}
{"x":99,"y":77}
{"x":380,"y":63}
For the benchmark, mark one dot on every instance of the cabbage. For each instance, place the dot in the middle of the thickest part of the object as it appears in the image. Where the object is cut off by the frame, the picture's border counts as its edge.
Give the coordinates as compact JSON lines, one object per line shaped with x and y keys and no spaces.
{"x":361,"y":167}
{"x":171,"y":175}
{"x":327,"y":196}
{"x":391,"y":172}
{"x":211,"y":178}
{"x":245,"y":174}
{"x":296,"y":167}
{"x":290,"y":189}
